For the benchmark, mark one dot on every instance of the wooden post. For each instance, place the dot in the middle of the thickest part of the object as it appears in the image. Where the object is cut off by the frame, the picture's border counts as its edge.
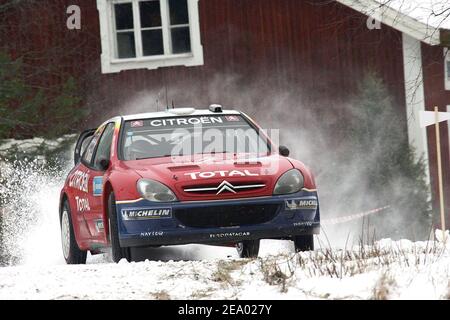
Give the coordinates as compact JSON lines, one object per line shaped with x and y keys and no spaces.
{"x":439,"y":160}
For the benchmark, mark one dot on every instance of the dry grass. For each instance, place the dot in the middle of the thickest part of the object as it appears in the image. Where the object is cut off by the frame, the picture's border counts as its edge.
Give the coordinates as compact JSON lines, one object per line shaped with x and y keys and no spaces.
{"x":224,"y":270}
{"x":383,"y":287}
{"x":202,"y":294}
{"x":340,"y":263}
{"x":328,"y":262}
{"x":161,"y":295}
{"x":273,"y":273}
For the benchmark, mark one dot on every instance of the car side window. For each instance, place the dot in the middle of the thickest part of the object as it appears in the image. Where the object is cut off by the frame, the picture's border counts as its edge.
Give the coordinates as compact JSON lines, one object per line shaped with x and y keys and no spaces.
{"x":104,"y":146}
{"x":85,"y":144}
{"x":89,"y":152}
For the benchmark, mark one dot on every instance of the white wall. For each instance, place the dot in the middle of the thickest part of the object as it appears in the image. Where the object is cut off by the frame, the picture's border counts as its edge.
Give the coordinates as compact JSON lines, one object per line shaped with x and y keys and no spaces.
{"x":415,"y":97}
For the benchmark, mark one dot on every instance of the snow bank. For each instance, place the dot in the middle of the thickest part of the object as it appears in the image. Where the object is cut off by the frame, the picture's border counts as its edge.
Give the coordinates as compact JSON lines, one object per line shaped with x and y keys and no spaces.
{"x":32,"y":145}
{"x":388,"y":270}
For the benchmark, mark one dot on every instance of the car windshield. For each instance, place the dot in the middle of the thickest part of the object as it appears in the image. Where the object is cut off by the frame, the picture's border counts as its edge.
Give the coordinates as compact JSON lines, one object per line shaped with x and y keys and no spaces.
{"x":180,"y":136}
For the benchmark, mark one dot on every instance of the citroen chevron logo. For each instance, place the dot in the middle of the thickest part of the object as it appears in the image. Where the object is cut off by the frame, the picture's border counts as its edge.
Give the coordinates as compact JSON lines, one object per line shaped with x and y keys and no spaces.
{"x":226,"y":186}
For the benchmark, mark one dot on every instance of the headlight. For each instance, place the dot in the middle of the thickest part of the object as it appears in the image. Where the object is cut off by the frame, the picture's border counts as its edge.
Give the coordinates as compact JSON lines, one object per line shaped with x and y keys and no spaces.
{"x":290,"y":182}
{"x":155,"y":191}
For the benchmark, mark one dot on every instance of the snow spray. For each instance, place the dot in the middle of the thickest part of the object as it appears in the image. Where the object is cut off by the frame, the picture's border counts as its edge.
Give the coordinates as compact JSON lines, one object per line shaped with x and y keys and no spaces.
{"x":29,"y":199}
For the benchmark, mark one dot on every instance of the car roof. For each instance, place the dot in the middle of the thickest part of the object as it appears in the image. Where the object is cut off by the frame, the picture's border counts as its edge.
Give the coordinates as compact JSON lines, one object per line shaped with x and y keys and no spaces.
{"x":178,"y":112}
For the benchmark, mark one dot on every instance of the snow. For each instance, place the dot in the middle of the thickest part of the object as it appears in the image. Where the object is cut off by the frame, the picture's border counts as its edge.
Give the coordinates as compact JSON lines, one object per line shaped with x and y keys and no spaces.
{"x":442,"y":236}
{"x":387,"y":270}
{"x":433,"y":13}
{"x":402,"y":270}
{"x":31,"y":145}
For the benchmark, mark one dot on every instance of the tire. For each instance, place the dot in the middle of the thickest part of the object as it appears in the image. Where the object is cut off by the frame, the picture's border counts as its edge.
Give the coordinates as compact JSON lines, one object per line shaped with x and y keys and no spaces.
{"x":248,"y":248}
{"x":304,"y":243}
{"x":118,"y":253}
{"x":71,"y":252}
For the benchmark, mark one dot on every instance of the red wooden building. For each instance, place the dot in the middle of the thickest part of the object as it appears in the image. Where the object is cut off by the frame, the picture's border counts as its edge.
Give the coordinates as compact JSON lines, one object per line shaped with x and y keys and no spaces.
{"x":238,"y":52}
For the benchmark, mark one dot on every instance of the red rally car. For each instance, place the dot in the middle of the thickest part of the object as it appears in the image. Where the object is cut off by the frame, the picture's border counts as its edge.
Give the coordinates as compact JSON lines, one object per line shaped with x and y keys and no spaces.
{"x":184,"y":176}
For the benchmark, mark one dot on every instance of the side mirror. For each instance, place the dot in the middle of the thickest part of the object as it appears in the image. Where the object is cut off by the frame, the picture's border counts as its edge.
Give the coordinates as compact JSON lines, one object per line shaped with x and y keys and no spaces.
{"x":284,"y":151}
{"x":104,"y":164}
{"x":81,"y":139}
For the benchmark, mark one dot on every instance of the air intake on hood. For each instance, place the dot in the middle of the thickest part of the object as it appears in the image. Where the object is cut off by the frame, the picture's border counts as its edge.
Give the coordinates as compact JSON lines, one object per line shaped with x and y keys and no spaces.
{"x":184,"y":168}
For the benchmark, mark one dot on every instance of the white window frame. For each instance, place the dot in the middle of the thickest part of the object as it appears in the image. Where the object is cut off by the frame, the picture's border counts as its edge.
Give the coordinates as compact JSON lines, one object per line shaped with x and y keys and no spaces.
{"x":112,"y":64}
{"x":446,"y":62}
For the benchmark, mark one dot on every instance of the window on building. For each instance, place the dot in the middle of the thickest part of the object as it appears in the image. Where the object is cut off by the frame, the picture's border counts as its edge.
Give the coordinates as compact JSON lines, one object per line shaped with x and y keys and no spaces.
{"x":447,"y":68}
{"x":149,"y":34}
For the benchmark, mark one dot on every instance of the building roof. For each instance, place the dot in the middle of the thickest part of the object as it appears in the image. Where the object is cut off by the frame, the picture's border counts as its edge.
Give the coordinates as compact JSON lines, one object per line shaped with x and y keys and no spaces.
{"x":425,"y":20}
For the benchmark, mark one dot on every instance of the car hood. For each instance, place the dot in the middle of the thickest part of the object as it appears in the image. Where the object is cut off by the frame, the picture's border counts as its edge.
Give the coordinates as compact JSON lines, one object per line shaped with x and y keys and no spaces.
{"x":214,"y":176}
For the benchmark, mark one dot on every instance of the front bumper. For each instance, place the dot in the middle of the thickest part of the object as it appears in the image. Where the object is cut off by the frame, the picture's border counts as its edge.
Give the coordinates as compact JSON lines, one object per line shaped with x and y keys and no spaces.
{"x":145,"y":223}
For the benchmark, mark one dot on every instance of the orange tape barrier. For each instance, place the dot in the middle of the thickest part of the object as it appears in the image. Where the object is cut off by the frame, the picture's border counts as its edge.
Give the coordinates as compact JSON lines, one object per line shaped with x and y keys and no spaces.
{"x":354,"y":216}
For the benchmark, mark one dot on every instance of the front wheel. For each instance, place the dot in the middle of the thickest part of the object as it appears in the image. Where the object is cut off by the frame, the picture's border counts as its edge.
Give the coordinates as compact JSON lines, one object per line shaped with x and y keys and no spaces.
{"x":248,"y":248}
{"x":71,"y":251}
{"x":118,"y":253}
{"x":304,"y":243}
